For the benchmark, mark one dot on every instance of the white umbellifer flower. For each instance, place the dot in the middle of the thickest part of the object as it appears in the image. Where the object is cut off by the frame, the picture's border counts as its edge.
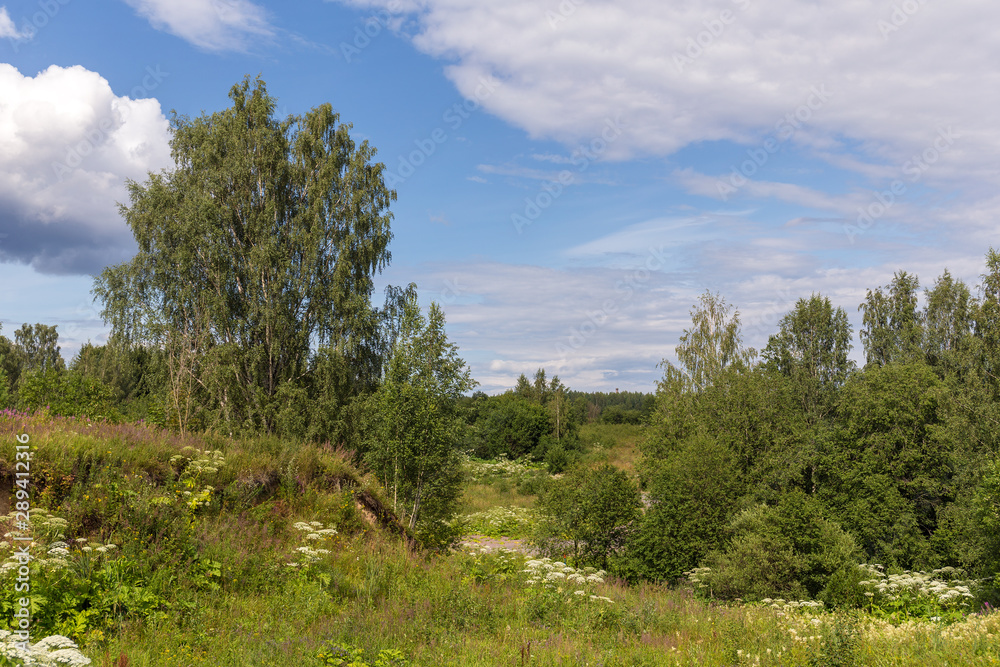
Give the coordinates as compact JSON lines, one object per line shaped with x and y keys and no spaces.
{"x":302,"y":525}
{"x":313,"y":536}
{"x":555,"y":575}
{"x":579,"y":592}
{"x":60,"y":552}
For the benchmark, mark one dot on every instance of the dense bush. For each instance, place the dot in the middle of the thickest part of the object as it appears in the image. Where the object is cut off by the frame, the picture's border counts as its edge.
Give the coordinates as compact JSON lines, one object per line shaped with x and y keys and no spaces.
{"x":66,"y":393}
{"x":789,"y":550}
{"x":691,"y":495}
{"x":509,"y":425}
{"x":588,"y":514}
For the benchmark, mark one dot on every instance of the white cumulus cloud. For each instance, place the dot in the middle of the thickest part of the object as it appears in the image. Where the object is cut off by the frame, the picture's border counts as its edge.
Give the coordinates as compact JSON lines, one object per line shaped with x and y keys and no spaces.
{"x":851,"y":78}
{"x":67,"y":145}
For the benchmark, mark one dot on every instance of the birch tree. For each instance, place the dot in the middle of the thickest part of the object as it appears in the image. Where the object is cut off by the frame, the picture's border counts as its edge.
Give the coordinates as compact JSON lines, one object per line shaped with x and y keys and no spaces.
{"x":257,"y":250}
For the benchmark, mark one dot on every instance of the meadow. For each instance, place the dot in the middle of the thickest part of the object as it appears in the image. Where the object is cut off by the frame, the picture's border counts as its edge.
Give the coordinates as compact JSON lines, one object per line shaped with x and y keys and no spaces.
{"x":152,"y":548}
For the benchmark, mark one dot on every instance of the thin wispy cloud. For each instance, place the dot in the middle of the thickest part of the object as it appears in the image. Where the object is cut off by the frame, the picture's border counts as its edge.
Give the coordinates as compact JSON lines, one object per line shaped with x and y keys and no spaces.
{"x":7,"y":28}
{"x":213,"y":25}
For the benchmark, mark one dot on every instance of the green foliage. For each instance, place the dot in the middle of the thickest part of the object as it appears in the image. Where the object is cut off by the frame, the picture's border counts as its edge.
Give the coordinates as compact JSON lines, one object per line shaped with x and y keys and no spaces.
{"x":515,"y":522}
{"x":811,"y":349}
{"x":986,"y":517}
{"x":509,"y":425}
{"x":38,"y":347}
{"x":589,"y":514}
{"x":788,"y":550}
{"x":256,"y":249}
{"x":78,"y":588}
{"x":691,"y":493}
{"x":491,"y":567}
{"x":892,"y":328}
{"x":839,"y":646}
{"x":710,"y":346}
{"x":616,"y":414}
{"x":67,"y":393}
{"x":948,"y":321}
{"x":345,"y":655}
{"x":412,"y":426}
{"x":886,"y":470}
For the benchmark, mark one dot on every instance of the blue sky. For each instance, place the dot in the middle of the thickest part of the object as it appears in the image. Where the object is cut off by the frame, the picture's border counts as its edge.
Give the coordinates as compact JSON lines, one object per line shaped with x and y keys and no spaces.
{"x":571,"y":174}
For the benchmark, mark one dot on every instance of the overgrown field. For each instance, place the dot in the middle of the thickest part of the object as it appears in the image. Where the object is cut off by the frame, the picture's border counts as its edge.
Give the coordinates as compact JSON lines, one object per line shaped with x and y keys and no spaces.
{"x":156,"y":549}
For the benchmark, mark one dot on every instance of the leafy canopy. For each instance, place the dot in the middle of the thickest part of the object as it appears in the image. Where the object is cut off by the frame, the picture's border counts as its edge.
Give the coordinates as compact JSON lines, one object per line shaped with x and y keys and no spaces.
{"x":257,"y":249}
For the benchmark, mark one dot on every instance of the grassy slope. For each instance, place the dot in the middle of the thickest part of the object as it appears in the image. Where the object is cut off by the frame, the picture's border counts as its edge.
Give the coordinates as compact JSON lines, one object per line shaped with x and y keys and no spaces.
{"x":226,"y":595}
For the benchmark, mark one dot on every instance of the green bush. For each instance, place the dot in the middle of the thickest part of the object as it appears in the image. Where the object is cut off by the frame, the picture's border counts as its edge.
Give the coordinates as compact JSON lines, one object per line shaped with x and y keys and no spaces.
{"x":691,"y":494}
{"x":509,"y":425}
{"x":589,"y":513}
{"x":66,"y":393}
{"x":784,"y":551}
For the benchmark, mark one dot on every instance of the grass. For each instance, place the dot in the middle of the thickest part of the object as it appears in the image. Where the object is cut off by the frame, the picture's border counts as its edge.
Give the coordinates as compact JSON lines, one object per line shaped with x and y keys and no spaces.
{"x":215,"y":584}
{"x":617,"y":444}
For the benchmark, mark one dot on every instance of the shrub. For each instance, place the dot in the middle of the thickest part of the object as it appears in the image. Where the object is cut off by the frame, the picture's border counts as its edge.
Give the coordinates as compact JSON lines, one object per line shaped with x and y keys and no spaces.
{"x":788,"y":550}
{"x":691,"y":494}
{"x":590,"y":513}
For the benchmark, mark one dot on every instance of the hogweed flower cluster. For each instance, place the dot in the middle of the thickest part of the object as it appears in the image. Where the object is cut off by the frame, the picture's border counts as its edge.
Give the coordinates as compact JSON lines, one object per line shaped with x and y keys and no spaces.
{"x":50,"y":552}
{"x":200,"y":463}
{"x":550,"y":575}
{"x":203,"y":461}
{"x":503,"y":467}
{"x":315,"y":534}
{"x":53,"y":651}
{"x":942,"y":586}
{"x":788,"y":605}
